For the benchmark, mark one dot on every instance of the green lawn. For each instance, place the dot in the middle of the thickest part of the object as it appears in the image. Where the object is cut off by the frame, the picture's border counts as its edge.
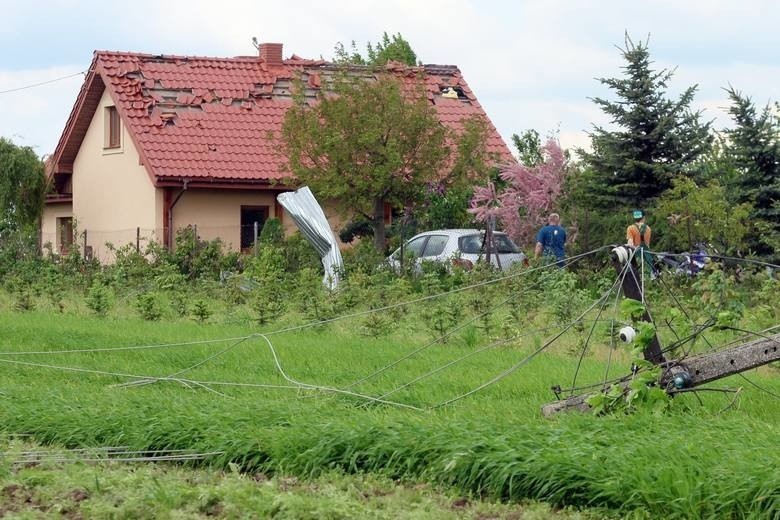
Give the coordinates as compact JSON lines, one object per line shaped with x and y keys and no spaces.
{"x":704,"y":459}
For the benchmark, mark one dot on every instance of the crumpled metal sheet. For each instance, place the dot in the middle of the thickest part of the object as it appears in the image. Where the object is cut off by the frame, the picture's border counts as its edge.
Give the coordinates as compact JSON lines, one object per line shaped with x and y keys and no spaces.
{"x":307,"y":214}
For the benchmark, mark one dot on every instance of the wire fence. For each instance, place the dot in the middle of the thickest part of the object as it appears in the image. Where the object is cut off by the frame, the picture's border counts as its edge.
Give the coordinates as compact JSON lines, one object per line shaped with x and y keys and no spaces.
{"x":103,"y":244}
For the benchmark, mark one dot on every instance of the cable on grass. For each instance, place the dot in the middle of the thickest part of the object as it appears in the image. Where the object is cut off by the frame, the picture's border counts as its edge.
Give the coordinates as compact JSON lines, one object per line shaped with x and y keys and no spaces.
{"x":569,"y":261}
{"x":328,"y":388}
{"x":117,"y":349}
{"x":429,"y":297}
{"x":196,"y":365}
{"x":466,"y":356}
{"x":525,"y":360}
{"x":202,"y":384}
{"x":621,"y":277}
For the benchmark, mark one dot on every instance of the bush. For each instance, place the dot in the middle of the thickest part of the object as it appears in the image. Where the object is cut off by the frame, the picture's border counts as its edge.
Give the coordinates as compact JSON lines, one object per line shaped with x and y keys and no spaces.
{"x":272,"y":233}
{"x":98,"y":298}
{"x":148,"y":306}
{"x":201,"y":310}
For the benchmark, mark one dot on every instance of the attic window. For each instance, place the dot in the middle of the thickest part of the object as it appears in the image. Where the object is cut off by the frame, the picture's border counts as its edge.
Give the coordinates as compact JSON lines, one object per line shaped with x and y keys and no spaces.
{"x":113,"y":128}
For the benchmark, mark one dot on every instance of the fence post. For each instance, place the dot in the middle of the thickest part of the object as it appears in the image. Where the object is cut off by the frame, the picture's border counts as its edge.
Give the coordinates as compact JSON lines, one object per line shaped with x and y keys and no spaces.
{"x":138,"y":240}
{"x":85,"y":244}
{"x":255,"y":237}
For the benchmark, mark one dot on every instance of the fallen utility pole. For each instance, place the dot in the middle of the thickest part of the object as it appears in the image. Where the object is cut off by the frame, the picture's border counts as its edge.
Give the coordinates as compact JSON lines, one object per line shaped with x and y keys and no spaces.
{"x":693,"y":372}
{"x":678,"y":374}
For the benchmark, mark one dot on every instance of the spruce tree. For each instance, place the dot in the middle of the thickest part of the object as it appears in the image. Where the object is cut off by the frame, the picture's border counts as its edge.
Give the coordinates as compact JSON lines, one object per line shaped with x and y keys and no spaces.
{"x":655,"y":138}
{"x":753,"y":146}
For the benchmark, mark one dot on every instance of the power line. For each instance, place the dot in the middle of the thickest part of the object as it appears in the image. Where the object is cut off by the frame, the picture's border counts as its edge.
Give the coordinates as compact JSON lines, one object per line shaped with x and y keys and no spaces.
{"x":42,"y":83}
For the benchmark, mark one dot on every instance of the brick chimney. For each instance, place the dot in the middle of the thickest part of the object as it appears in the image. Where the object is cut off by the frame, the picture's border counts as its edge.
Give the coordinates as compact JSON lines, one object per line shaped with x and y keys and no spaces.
{"x":271,"y":53}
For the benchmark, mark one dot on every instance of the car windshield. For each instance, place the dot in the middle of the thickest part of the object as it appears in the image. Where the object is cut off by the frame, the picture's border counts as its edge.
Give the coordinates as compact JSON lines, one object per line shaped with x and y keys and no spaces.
{"x":472,"y":244}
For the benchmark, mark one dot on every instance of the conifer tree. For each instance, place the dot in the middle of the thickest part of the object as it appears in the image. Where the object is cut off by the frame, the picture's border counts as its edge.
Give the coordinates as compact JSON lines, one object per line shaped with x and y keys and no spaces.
{"x":753,"y":146}
{"x":655,"y":138}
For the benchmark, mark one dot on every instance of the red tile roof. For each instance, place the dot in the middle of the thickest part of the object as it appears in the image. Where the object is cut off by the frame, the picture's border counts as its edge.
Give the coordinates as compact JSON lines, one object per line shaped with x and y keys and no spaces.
{"x":216,"y":120}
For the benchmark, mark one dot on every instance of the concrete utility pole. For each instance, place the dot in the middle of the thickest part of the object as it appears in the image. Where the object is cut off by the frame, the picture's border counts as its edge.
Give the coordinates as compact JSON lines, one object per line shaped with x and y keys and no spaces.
{"x":690,"y":373}
{"x":686,"y":373}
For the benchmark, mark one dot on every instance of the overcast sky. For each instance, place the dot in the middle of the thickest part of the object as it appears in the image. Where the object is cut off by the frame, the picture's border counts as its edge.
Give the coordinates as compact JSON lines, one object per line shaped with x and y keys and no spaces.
{"x":532,"y":64}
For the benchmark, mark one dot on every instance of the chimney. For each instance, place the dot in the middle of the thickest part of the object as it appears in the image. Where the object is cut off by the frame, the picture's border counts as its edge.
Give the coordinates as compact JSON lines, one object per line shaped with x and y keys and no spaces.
{"x":271,"y":53}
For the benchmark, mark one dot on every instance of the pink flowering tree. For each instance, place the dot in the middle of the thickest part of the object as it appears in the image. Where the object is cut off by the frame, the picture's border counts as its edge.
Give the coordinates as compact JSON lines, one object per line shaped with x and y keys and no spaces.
{"x":522,"y":206}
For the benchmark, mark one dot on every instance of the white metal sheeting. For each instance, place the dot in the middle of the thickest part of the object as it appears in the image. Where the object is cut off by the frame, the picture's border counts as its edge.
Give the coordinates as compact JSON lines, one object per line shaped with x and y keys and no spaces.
{"x":310,"y":219}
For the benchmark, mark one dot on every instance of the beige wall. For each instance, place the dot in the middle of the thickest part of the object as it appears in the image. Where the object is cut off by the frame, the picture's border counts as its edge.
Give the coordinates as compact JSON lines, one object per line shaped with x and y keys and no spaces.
{"x":49,"y":231}
{"x":217,"y":213}
{"x":113,"y":196}
{"x":112,"y":192}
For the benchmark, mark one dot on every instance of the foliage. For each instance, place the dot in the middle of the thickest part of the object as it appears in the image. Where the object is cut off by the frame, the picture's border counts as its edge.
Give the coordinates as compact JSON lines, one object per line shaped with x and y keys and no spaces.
{"x":695,"y":214}
{"x":445,"y":208}
{"x":272,"y":233}
{"x":115,"y":490}
{"x":98,"y":298}
{"x":529,"y":147}
{"x":369,"y":144}
{"x":716,"y":291}
{"x":530,"y":193}
{"x":642,"y":391}
{"x":201,"y":310}
{"x":198,"y":258}
{"x":22,"y":188}
{"x":149,"y":306}
{"x":657,"y":138}
{"x":366,"y":145}
{"x":389,"y":48}
{"x":754,"y":148}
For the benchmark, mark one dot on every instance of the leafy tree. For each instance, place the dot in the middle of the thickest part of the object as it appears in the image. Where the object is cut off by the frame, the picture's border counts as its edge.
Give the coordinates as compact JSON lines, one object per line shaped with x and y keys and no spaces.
{"x":368,"y":144}
{"x":22,"y":186}
{"x":701,"y":213}
{"x":389,"y":48}
{"x":530,"y":194}
{"x":754,"y":148}
{"x":529,"y":147}
{"x":656,"y":138}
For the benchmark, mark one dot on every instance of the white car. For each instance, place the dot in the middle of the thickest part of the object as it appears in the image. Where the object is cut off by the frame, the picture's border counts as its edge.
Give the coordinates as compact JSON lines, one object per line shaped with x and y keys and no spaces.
{"x":463,"y":247}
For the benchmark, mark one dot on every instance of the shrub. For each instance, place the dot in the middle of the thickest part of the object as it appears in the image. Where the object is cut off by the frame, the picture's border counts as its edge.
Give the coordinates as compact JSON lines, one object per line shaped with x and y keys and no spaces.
{"x":272,"y":233}
{"x":148,"y":306}
{"x":98,"y":298}
{"x":201,"y":310}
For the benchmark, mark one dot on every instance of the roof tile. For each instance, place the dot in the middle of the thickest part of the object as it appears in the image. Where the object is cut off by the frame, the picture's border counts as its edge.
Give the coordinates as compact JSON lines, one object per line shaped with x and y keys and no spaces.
{"x":198,"y":117}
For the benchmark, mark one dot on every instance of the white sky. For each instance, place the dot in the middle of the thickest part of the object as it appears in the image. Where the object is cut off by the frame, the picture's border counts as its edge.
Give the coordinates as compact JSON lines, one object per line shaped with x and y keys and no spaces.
{"x":531,"y":64}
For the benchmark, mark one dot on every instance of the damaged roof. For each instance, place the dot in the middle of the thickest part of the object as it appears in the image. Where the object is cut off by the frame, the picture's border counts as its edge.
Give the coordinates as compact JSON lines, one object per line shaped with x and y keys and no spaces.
{"x":218,"y":120}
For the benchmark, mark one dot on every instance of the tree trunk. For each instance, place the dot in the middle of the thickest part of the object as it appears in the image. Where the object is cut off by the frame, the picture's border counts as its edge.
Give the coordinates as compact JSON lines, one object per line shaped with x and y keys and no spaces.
{"x":379,"y":224}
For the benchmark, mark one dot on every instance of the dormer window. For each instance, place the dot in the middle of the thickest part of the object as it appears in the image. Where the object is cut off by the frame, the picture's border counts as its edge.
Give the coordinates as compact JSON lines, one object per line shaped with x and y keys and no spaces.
{"x":113,"y":128}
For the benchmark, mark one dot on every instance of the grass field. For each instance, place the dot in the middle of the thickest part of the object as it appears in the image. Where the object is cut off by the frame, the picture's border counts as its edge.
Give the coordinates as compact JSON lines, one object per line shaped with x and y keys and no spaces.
{"x":711,"y":456}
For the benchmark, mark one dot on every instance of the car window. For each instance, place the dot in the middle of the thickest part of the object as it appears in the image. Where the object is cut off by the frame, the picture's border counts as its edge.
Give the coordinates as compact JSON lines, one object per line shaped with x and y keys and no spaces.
{"x":505,"y":245}
{"x":435,"y":245}
{"x":415,"y":246}
{"x":470,"y":244}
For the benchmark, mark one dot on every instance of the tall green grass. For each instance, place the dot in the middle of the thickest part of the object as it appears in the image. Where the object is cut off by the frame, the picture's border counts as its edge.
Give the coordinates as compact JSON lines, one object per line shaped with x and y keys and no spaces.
{"x":700,"y":461}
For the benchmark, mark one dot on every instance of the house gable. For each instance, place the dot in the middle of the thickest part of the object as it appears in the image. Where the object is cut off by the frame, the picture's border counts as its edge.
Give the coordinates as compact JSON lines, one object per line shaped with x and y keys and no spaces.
{"x":113,"y":198}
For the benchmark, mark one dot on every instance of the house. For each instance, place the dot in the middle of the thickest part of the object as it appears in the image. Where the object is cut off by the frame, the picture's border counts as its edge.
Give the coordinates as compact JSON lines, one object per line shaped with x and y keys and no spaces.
{"x":155,"y":143}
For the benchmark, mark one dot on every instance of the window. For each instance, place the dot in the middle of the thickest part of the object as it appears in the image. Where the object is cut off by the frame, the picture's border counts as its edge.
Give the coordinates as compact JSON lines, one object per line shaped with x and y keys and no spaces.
{"x":64,"y":234}
{"x":113,"y":128}
{"x":415,"y":246}
{"x":435,"y":245}
{"x":250,"y":215}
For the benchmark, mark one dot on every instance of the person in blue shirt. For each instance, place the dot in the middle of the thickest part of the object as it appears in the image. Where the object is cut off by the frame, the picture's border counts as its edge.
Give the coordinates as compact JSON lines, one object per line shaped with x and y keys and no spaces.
{"x":551,"y":239}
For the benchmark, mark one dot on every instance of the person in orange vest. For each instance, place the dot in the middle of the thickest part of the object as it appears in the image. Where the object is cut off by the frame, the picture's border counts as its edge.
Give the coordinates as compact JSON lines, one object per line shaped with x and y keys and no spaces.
{"x":638,"y":235}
